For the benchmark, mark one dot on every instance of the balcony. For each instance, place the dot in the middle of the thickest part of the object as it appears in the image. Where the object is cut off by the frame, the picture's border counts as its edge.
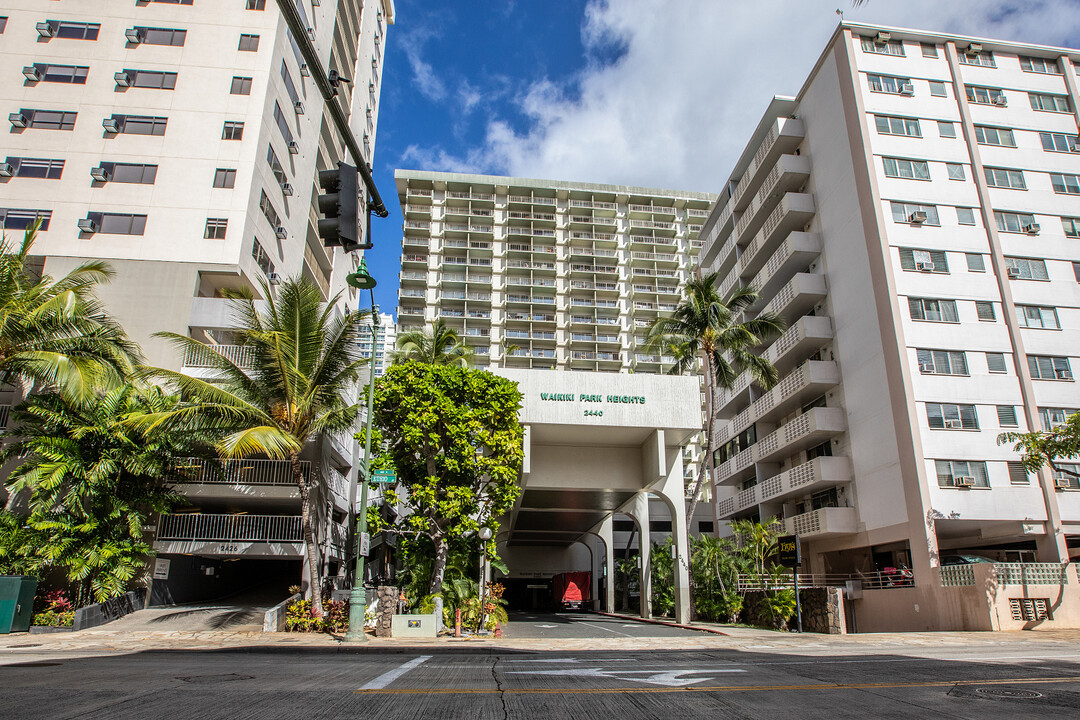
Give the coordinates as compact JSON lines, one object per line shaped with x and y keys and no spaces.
{"x":807,"y":430}
{"x":238,"y":473}
{"x":750,"y":497}
{"x":823,"y":522}
{"x":795,"y":253}
{"x":806,"y":382}
{"x":735,"y":469}
{"x":790,"y":173}
{"x":783,"y":137}
{"x":798,"y":296}
{"x":808,"y":334}
{"x":252,"y":535}
{"x":532,"y":200}
{"x":807,"y":477}
{"x":243,"y":356}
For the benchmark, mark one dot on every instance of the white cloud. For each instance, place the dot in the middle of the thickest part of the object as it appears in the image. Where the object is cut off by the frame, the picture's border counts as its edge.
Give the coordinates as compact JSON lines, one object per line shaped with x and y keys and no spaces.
{"x":676,"y":109}
{"x":427,"y":82}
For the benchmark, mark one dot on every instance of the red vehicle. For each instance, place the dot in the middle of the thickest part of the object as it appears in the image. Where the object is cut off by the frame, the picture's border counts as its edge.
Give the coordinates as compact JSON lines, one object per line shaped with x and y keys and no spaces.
{"x":572,"y":590}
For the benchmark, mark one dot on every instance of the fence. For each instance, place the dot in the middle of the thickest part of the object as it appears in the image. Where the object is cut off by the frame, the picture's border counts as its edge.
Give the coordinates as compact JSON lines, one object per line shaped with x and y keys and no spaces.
{"x":870,"y":580}
{"x":1008,"y":574}
{"x":243,"y":528}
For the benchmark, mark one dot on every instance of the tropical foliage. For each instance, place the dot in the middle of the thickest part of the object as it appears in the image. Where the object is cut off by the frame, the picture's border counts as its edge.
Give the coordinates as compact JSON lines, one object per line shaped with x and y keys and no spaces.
{"x":441,"y":346}
{"x":305,"y":364}
{"x":1048,"y":447}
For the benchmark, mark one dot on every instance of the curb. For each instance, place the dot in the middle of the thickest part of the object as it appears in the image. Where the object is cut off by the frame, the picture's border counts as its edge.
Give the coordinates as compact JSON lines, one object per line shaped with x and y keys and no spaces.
{"x":668,"y":623}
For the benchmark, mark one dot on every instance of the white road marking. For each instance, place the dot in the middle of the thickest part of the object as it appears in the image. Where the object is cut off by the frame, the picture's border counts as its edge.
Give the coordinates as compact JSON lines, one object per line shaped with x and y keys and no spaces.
{"x":568,"y":660}
{"x":391,"y":675}
{"x":629,"y":625}
{"x":546,"y":626}
{"x":601,"y":627}
{"x":668,"y":678}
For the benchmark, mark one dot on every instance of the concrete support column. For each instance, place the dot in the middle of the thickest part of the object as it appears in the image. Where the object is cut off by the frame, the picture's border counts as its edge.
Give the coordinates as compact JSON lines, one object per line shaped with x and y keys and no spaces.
{"x":672,"y":492}
{"x":638,"y":509}
{"x":604,"y":530}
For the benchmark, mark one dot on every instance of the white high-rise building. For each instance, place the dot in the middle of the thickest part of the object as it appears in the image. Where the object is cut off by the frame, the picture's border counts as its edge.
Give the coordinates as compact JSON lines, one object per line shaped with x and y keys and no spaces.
{"x":385,"y":343}
{"x":913,"y":213}
{"x":180,"y":141}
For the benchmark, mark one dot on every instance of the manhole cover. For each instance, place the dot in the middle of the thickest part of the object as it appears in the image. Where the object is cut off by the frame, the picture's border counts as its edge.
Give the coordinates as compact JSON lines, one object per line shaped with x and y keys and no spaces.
{"x":1008,"y":693}
{"x":206,"y":679}
{"x":32,"y":664}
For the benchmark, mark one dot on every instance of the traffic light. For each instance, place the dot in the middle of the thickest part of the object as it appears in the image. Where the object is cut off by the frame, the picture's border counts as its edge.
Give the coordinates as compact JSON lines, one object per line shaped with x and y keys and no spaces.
{"x":339,"y":206}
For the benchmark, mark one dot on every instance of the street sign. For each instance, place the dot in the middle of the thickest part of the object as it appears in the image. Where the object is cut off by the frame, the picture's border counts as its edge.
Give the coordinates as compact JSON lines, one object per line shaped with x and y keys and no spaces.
{"x":787,"y":551}
{"x":383,"y":476}
{"x":365,"y":544}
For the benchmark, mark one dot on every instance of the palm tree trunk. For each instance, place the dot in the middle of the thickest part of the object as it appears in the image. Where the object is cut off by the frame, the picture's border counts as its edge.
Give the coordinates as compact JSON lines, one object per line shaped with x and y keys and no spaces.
{"x":310,"y":546}
{"x":707,"y":461}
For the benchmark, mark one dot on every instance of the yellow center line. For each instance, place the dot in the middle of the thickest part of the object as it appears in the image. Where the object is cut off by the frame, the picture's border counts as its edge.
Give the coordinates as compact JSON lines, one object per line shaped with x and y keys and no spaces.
{"x":715,"y":688}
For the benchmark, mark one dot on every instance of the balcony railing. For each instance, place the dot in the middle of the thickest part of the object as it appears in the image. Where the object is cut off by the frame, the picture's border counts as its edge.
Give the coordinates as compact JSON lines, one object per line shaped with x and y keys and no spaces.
{"x":241,"y":528}
{"x":243,"y":356}
{"x":239,"y":472}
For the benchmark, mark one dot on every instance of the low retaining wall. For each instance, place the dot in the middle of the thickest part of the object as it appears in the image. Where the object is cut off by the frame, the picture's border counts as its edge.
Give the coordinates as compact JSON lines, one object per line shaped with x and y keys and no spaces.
{"x":274,"y":619}
{"x":105,"y":612}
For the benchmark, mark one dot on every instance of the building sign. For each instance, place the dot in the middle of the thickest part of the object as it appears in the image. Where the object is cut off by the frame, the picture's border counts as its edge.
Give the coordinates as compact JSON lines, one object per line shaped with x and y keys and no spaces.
{"x":161,"y":569}
{"x":592,"y":409}
{"x":787,"y":551}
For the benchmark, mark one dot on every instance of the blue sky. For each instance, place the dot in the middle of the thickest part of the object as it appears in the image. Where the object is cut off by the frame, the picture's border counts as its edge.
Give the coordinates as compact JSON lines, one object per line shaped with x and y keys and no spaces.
{"x":659,"y":93}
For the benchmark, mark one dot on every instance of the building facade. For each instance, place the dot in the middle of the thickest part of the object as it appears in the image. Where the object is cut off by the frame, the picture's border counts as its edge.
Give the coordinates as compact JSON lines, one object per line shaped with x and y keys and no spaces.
{"x":913,"y":215}
{"x":180,"y":142}
{"x":384,"y":345}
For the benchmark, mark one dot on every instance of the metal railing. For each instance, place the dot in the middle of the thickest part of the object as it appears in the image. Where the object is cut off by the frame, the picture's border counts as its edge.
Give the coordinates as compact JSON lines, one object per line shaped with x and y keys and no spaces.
{"x":879,"y":580}
{"x":243,"y":356}
{"x":5,"y":415}
{"x":239,"y":472}
{"x":243,"y":528}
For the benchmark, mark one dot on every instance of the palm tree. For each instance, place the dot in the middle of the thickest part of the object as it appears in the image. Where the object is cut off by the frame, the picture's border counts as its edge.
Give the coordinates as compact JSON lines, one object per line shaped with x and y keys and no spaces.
{"x":705,"y":327}
{"x":305,"y":362}
{"x":55,"y":333}
{"x":443,"y":346}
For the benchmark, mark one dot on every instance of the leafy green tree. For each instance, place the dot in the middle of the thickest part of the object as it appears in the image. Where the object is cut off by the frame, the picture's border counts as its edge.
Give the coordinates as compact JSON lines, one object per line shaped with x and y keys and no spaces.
{"x":93,"y":480}
{"x":441,"y":346}
{"x":454,"y":437}
{"x":662,"y":569}
{"x":305,"y":365}
{"x":1049,"y":447}
{"x":56,"y":333}
{"x":705,"y":328}
{"x":19,"y":545}
{"x":715,"y":566}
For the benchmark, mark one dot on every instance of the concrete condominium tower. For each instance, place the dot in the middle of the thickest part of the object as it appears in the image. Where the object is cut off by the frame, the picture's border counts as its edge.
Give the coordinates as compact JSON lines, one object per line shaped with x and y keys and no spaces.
{"x":180,"y":141}
{"x":914,"y":214}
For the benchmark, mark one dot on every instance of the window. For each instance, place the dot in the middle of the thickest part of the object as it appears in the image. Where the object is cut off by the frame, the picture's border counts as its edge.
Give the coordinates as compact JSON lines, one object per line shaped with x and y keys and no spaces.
{"x":965,"y":216}
{"x":891,"y":125}
{"x":256,"y":5}
{"x":888,"y":84}
{"x":1052,"y":417}
{"x":950,"y":472}
{"x":19,"y":219}
{"x":1065,"y":184}
{"x":933,"y":310}
{"x":152,"y":79}
{"x":131,"y":173}
{"x":240,"y":86}
{"x":942,"y":362}
{"x":975,"y":262}
{"x":162,"y":36}
{"x":908,"y":169}
{"x":48,"y":119}
{"x":924,"y":260}
{"x":268,"y":210}
{"x":1049,"y":367}
{"x":947,"y":416}
{"x":986,"y":135}
{"x":275,"y":165}
{"x":1017,"y":474}
{"x":889,"y":47}
{"x":1039,"y":65}
{"x":1037,"y":316}
{"x":140,"y":124}
{"x":289,"y":86}
{"x":233,"y":131}
{"x":985,"y":59}
{"x":282,"y":123}
{"x":937,"y":89}
{"x":946,"y":129}
{"x":984,"y":309}
{"x":74,"y":30}
{"x":1005,"y":178}
{"x":1049,"y":103}
{"x":119,"y":223}
{"x":1007,"y":416}
{"x":984,"y":95}
{"x":224,"y":178}
{"x":1012,"y":222}
{"x":1027,"y":268}
{"x":1071,"y":226}
{"x":3,"y":23}
{"x":956,"y":171}
{"x":36,"y":167}
{"x":1066,"y":477}
{"x":71,"y":74}
{"x":904,"y":213}
{"x":215,"y":228}
{"x":261,"y":258}
{"x":995,"y":363}
{"x":1076,"y":271}
{"x":248,"y":43}
{"x":929,"y":50}
{"x":1059,"y":142}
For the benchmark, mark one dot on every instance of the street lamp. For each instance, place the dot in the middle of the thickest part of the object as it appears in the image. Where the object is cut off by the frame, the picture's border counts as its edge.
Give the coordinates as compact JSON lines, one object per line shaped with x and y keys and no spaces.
{"x":485,"y":535}
{"x":362,"y":280}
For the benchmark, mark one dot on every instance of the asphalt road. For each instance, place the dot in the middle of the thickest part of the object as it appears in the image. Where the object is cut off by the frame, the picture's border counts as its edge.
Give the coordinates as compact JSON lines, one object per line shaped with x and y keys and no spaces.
{"x":585,"y":625}
{"x":974,"y":682}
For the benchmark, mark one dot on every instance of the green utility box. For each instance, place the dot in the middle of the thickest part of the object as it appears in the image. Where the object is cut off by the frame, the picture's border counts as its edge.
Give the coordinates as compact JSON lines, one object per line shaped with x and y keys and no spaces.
{"x":16,"y":603}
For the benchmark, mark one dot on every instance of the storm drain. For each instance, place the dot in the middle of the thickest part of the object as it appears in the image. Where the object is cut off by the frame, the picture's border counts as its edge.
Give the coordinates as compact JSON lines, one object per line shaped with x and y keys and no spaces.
{"x":1009,"y":693}
{"x":211,"y":679}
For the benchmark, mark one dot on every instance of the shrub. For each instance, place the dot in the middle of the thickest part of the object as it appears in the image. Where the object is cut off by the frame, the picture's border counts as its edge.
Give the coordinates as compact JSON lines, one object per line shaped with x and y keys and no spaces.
{"x":299,"y":617}
{"x":57,"y":610}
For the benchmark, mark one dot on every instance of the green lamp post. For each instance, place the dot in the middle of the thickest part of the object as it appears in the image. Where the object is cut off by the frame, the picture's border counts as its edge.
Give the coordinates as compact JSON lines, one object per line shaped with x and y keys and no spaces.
{"x":362,"y":280}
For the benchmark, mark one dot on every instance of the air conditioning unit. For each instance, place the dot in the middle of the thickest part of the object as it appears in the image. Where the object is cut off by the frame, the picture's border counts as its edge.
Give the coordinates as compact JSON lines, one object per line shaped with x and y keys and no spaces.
{"x":6,"y":169}
{"x":1074,"y":143}
{"x":1012,"y":272}
{"x":299,"y":107}
{"x":17,"y":120}
{"x":907,"y":89}
{"x":973,"y":49}
{"x":1061,"y":484}
{"x":304,"y":72}
{"x":122,"y":79}
{"x":133,"y":35}
{"x":964,"y":481}
{"x":1032,"y":228}
{"x":1063,"y":374}
{"x":286,"y":189}
{"x":111,"y":125}
{"x":294,"y":149}
{"x":315,"y":3}
{"x":917,"y":218}
{"x":927,"y":368}
{"x":924,"y":266}
{"x":954,"y":424}
{"x":32,"y":73}
{"x":100,"y":174}
{"x":1000,"y":100}
{"x":280,"y":232}
{"x":273,"y":278}
{"x":88,"y":225}
{"x":882,"y":37}
{"x":311,"y":34}
{"x":45,"y":29}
